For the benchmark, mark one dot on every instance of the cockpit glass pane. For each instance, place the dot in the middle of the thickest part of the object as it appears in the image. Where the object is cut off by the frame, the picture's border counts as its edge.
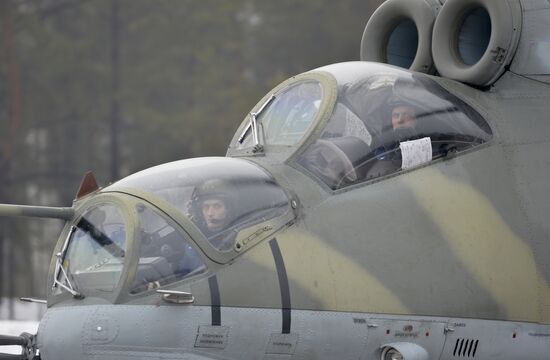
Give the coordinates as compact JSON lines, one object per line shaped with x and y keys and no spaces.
{"x":166,"y":254}
{"x":221,"y":196}
{"x":96,"y":250}
{"x":287,"y":118}
{"x":388,"y":121}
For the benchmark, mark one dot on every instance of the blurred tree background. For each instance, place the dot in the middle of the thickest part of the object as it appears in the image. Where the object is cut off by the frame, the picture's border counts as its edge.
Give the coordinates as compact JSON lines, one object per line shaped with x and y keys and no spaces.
{"x":116,"y":86}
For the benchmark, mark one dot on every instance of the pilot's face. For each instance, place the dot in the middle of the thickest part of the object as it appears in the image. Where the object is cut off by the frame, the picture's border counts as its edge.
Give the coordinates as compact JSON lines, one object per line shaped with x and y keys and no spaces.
{"x":214,"y":212}
{"x":403,"y":117}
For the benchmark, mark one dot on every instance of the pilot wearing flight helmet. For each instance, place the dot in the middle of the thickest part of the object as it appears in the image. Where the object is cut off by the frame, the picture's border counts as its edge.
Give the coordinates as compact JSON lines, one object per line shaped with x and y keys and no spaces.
{"x":212,"y":208}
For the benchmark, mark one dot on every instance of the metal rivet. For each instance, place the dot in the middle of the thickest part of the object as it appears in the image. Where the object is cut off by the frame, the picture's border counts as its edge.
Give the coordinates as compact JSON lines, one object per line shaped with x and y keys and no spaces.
{"x":99,"y":328}
{"x":294,"y":204}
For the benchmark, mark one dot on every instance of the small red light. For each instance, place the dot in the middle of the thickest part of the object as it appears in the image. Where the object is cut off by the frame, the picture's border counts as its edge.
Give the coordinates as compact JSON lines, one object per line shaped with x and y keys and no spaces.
{"x":427,"y":333}
{"x":514,"y":336}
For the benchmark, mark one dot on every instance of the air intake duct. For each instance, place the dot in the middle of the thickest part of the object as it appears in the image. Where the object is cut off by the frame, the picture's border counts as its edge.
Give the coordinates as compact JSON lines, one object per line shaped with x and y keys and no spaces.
{"x":400,"y":33}
{"x":474,"y":40}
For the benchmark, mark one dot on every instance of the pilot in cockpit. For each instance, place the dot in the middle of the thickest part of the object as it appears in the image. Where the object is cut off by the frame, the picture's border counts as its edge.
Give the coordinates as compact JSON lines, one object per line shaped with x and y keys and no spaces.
{"x":400,"y":124}
{"x":403,"y":120}
{"x":211,"y":209}
{"x":403,"y":116}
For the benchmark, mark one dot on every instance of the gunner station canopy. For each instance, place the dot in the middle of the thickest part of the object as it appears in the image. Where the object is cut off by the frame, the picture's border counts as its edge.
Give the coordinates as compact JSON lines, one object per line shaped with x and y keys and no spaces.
{"x":171,"y":219}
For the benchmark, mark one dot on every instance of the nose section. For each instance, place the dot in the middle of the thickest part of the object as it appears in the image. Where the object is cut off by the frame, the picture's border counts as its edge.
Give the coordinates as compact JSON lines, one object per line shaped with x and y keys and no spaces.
{"x":109,"y":332}
{"x":59,"y":333}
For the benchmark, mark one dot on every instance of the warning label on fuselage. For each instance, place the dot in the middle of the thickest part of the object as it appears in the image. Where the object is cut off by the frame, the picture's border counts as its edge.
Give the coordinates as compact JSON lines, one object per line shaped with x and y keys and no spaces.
{"x":212,"y":337}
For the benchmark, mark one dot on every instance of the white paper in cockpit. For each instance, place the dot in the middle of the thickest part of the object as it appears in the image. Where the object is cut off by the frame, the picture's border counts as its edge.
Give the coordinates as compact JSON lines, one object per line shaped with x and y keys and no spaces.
{"x":416,"y":152}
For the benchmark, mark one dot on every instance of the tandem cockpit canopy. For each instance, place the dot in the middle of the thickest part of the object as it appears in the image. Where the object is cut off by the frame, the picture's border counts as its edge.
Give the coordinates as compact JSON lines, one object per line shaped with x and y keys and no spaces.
{"x":358,"y":121}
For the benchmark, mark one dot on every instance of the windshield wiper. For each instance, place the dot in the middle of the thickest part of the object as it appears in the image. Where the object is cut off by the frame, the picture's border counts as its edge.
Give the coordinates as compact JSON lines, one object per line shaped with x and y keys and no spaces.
{"x":253,"y":124}
{"x":99,"y":237}
{"x":65,"y":281}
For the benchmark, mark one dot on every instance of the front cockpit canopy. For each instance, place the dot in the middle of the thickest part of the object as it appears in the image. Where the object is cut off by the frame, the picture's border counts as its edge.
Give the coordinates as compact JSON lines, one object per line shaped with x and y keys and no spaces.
{"x":165,"y":224}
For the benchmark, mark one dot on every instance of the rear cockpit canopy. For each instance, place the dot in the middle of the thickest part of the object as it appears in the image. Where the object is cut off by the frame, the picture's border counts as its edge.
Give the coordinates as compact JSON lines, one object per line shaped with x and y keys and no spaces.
{"x":387,"y":121}
{"x":358,"y":121}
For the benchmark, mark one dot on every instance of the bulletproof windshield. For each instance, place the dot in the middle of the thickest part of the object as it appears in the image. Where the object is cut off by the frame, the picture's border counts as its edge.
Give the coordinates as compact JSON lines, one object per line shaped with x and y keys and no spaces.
{"x":94,"y":252}
{"x":387,"y":120}
{"x":285,"y":117}
{"x":220,"y":196}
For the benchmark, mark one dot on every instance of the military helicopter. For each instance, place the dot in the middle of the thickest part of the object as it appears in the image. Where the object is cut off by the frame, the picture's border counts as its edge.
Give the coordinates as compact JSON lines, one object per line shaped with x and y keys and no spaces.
{"x":388,"y":208}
